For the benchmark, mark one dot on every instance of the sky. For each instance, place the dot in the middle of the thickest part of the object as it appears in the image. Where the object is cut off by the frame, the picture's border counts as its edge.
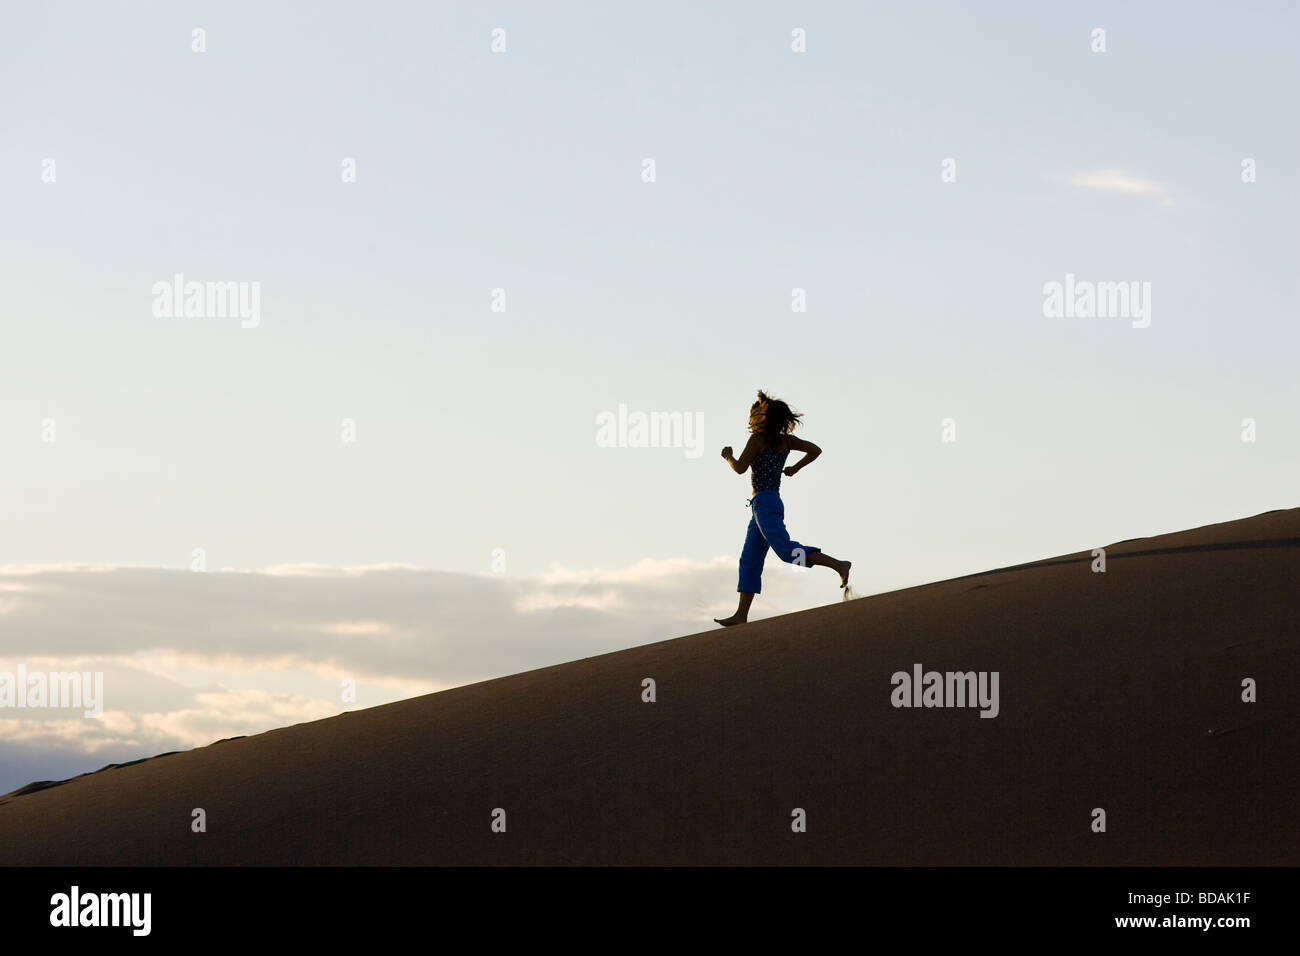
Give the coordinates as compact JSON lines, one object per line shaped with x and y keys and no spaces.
{"x":472,"y":232}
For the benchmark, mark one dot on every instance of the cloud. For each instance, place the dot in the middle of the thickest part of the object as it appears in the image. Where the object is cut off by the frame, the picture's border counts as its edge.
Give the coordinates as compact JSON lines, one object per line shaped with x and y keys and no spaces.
{"x":645,"y":571}
{"x":227,"y":713}
{"x":189,"y":658}
{"x":1119,"y":181}
{"x":356,"y":627}
{"x":328,"y":571}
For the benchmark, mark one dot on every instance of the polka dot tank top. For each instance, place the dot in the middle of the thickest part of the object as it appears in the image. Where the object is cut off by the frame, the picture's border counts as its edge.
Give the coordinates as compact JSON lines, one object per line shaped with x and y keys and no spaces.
{"x":766,"y":468}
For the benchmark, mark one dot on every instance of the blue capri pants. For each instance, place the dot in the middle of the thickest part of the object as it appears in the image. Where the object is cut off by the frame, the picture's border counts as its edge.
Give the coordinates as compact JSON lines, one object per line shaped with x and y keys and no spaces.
{"x":767,"y":530}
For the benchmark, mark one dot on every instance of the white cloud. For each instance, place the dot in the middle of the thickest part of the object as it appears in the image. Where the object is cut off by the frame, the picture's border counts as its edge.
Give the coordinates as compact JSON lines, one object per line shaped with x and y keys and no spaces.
{"x":645,"y":571}
{"x":325,"y":570}
{"x":356,"y":627}
{"x":189,"y":658}
{"x":226,"y":713}
{"x":1119,"y":181}
{"x":606,"y":600}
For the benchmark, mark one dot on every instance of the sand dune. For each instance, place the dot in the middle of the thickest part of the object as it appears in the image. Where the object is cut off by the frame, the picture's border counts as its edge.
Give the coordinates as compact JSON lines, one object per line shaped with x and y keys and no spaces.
{"x":1119,"y":691}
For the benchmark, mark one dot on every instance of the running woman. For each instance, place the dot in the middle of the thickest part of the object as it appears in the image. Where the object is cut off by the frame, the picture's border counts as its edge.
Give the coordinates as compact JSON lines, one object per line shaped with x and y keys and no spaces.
{"x":770,"y":442}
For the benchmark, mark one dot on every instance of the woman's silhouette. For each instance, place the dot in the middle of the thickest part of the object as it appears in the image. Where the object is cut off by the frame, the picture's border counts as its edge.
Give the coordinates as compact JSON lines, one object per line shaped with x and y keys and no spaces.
{"x":770,"y":441}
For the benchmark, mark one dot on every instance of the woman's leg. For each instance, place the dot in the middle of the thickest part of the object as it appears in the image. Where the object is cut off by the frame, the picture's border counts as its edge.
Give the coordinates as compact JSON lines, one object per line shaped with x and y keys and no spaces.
{"x":752,"y":557}
{"x":840,"y":567}
{"x":770,"y":514}
{"x":742,"y":611}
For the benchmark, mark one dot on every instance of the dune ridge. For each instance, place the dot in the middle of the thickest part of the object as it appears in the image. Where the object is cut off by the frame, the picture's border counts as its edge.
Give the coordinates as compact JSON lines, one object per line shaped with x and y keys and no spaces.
{"x":1119,"y":690}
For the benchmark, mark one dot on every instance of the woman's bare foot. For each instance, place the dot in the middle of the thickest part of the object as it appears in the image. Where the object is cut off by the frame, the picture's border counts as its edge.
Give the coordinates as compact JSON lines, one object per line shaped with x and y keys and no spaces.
{"x":844,"y":573}
{"x":742,"y":610}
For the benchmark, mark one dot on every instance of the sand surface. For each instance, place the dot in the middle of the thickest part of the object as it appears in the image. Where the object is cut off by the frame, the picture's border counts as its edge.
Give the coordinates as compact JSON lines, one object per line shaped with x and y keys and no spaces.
{"x":1119,"y":691}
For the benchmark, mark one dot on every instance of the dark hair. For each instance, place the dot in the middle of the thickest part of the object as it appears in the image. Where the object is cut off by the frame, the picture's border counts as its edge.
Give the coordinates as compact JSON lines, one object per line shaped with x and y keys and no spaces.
{"x":772,"y":417}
